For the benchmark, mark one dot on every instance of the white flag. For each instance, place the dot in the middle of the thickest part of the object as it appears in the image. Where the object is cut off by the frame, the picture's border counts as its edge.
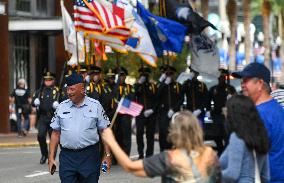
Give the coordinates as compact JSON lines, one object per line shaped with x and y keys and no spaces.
{"x":205,"y":55}
{"x":69,"y":34}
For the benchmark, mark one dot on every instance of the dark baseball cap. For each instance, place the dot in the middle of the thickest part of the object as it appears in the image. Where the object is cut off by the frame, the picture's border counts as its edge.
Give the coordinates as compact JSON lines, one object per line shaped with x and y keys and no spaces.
{"x":74,"y":78}
{"x":254,"y":70}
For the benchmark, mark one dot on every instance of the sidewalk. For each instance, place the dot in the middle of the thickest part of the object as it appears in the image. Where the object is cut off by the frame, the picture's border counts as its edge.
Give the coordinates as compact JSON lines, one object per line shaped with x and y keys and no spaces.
{"x":12,"y":140}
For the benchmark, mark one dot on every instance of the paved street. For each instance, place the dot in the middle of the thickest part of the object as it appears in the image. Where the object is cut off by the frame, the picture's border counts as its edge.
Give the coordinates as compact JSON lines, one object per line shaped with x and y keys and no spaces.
{"x":21,"y":165}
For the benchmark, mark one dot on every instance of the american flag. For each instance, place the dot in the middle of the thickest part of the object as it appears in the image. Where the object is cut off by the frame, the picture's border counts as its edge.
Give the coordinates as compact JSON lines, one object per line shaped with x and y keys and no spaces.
{"x":126,"y":106}
{"x":101,"y":21}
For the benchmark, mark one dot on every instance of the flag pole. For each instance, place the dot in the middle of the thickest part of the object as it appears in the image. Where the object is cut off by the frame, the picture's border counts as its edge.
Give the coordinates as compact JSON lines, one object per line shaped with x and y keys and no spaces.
{"x":116,"y":112}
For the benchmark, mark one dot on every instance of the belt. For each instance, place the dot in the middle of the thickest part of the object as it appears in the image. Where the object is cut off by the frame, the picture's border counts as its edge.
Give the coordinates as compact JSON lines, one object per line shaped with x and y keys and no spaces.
{"x":79,"y":150}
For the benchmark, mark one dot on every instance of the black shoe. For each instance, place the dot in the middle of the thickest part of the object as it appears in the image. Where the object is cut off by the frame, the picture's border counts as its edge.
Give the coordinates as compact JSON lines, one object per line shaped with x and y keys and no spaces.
{"x":141,"y":157}
{"x":43,"y":159}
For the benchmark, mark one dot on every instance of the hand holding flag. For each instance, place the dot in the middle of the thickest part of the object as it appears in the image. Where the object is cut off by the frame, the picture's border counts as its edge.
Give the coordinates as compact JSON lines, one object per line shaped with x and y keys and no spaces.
{"x":126,"y":106}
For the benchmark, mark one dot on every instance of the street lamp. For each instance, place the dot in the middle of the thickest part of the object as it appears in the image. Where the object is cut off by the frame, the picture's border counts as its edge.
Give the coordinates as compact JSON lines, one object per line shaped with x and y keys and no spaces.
{"x":2,"y":8}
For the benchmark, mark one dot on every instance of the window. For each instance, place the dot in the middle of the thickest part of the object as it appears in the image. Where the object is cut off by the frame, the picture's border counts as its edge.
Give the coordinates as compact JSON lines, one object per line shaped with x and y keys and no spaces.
{"x":21,"y":56}
{"x":41,"y":7}
{"x":23,"y":5}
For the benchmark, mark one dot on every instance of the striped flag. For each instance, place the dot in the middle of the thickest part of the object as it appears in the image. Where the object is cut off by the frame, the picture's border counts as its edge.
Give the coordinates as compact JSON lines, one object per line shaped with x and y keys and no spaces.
{"x":126,"y":106}
{"x":100,"y":22}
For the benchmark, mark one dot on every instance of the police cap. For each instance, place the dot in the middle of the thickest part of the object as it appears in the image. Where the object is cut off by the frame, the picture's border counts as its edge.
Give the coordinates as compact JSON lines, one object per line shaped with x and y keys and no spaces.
{"x":110,"y":72}
{"x":144,"y":69}
{"x":121,"y":71}
{"x":74,"y":78}
{"x":95,"y":69}
{"x":48,"y":76}
{"x":83,"y":68}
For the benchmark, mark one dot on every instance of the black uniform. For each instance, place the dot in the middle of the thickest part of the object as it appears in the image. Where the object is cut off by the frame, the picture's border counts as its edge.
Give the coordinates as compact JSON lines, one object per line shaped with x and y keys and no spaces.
{"x":122,"y":127}
{"x":217,"y":100}
{"x":196,"y":94}
{"x":45,"y":111}
{"x":169,"y":96}
{"x":145,"y":94}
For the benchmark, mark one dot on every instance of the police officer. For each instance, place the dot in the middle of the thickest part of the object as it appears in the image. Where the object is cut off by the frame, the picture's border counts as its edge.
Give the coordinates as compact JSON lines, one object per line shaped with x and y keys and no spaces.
{"x":108,"y":96}
{"x":169,"y":95}
{"x":45,"y":100}
{"x":63,"y":94}
{"x":218,"y":96}
{"x":145,"y":94}
{"x":96,"y":86}
{"x":122,"y":127}
{"x":196,"y":94}
{"x":75,"y":126}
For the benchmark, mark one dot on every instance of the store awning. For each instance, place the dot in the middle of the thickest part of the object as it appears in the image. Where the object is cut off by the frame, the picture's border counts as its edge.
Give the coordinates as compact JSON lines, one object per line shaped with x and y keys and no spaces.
{"x":35,"y":25}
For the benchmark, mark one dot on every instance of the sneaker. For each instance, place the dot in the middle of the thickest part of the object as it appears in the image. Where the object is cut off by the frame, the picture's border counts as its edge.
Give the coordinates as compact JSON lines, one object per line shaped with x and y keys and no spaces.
{"x":33,"y":130}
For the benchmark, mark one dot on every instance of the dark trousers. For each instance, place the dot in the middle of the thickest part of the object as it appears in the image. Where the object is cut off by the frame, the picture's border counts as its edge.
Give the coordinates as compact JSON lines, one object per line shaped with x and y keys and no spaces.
{"x":216,"y":131}
{"x":43,"y":129}
{"x":149,"y":124}
{"x":123,"y":132}
{"x":80,"y":166}
{"x":164,"y":122}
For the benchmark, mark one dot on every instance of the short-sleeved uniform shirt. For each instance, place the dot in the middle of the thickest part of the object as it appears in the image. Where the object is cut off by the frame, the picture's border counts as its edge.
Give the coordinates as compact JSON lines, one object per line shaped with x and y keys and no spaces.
{"x":79,"y":125}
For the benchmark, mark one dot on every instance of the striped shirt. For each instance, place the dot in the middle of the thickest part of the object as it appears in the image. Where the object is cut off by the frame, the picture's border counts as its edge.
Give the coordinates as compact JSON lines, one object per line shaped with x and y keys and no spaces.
{"x":278,"y":95}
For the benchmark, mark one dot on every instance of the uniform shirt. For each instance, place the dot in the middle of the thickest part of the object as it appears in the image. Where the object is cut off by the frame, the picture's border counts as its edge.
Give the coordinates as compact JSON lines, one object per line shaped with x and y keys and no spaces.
{"x":79,"y":125}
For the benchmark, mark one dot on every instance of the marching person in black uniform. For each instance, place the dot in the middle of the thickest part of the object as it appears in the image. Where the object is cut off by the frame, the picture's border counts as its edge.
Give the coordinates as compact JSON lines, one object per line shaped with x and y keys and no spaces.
{"x":108,"y":96}
{"x":145,"y":94}
{"x":63,"y":95}
{"x":169,"y":95}
{"x":196,"y":94}
{"x":45,"y":101}
{"x":96,"y":86}
{"x":122,"y":125}
{"x":218,"y":96}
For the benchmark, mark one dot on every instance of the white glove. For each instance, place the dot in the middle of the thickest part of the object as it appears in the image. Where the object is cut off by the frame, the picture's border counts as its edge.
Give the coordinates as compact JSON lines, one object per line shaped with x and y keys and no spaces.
{"x":190,"y":75}
{"x":229,"y":96}
{"x":148,"y":112}
{"x":168,"y":80}
{"x":196,"y":112}
{"x":55,"y":105}
{"x":36,"y":102}
{"x":142,"y":79}
{"x":87,"y":78}
{"x":162,"y":77}
{"x":208,"y":114}
{"x":170,"y":113}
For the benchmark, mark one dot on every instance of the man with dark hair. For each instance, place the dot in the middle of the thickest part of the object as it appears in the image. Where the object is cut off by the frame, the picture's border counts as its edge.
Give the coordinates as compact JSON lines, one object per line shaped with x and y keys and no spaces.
{"x":255,"y":84}
{"x":75,"y":125}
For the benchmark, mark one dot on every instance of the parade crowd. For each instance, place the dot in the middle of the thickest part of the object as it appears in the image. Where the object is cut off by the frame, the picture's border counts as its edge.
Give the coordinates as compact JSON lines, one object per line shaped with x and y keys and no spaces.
{"x":247,"y":127}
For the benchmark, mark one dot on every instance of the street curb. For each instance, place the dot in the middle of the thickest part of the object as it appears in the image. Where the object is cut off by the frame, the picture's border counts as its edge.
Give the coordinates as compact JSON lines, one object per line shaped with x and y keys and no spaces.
{"x":30,"y":144}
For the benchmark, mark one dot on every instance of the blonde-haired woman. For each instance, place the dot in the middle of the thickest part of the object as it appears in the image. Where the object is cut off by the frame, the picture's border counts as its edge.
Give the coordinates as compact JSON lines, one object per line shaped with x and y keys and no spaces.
{"x":189,"y":161}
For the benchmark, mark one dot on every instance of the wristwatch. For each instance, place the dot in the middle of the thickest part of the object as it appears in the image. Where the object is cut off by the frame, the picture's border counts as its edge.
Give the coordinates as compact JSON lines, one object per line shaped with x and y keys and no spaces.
{"x":108,"y":154}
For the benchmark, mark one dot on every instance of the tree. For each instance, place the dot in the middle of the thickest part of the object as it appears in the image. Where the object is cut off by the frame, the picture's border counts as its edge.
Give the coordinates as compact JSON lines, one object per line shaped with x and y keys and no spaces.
{"x":266,"y":9}
{"x":231,"y":8}
{"x":247,"y":21}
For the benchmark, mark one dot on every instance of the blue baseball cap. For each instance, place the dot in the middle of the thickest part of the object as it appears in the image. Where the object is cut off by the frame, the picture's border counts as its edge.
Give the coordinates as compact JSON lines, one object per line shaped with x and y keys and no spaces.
{"x":254,"y":70}
{"x":74,"y":78}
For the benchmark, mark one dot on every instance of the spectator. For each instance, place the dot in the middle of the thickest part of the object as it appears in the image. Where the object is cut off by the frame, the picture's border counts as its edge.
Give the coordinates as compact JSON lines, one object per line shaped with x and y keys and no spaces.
{"x":278,"y":95}
{"x":12,"y":114}
{"x":255,"y":84}
{"x":22,"y":95}
{"x":248,"y":142}
{"x":189,"y":161}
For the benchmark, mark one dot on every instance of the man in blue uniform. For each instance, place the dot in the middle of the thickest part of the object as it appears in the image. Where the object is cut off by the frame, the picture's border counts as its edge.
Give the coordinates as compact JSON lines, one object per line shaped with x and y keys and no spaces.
{"x":75,"y":125}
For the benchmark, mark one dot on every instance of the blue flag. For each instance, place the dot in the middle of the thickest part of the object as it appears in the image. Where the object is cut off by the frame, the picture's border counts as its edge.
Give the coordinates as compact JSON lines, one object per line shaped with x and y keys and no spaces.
{"x":165,"y":34}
